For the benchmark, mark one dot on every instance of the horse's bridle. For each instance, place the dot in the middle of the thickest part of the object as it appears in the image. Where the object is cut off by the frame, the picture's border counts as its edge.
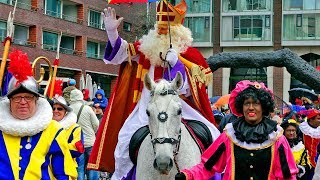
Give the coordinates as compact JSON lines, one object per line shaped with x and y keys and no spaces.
{"x":162,"y":117}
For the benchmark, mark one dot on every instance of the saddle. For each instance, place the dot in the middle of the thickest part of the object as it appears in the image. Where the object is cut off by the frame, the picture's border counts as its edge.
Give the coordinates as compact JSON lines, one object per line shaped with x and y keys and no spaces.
{"x":198,"y":130}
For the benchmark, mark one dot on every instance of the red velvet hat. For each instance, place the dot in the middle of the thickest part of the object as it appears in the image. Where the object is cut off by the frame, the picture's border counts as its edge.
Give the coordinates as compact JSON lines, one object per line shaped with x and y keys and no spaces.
{"x":312,"y":113}
{"x":240,"y":86}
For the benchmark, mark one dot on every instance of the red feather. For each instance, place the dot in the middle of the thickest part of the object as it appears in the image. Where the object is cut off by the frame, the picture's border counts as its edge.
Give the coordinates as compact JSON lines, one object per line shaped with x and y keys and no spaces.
{"x":19,"y":65}
{"x":57,"y":88}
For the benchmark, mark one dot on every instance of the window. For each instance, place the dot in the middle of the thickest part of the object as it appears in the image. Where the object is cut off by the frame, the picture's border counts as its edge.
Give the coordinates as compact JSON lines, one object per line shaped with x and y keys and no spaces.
{"x":21,"y":35}
{"x":253,"y":74}
{"x":3,"y":30}
{"x":246,"y":28}
{"x":126,"y":26}
{"x":199,"y":20}
{"x":256,"y":4}
{"x":95,"y":19}
{"x":246,"y":5}
{"x":67,"y":45}
{"x":53,"y":8}
{"x":200,"y":27}
{"x":25,"y":4}
{"x":198,"y":6}
{"x":301,"y":26}
{"x":50,"y":41}
{"x":95,"y":50}
{"x":301,"y":4}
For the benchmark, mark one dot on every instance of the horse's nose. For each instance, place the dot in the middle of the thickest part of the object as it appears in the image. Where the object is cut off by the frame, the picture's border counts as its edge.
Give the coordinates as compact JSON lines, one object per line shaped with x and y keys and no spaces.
{"x":163,"y":164}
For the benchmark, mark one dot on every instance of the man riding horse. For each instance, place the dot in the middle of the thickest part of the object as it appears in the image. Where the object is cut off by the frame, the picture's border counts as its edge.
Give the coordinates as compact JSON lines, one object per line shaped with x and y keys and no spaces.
{"x":126,"y":111}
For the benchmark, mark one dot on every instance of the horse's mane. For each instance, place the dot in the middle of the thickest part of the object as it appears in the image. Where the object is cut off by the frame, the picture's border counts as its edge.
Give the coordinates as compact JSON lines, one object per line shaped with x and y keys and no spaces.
{"x":161,"y":87}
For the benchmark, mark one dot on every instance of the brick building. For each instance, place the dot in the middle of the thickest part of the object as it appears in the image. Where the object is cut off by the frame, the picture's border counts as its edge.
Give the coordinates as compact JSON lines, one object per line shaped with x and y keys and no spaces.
{"x":255,"y":25}
{"x":38,"y":24}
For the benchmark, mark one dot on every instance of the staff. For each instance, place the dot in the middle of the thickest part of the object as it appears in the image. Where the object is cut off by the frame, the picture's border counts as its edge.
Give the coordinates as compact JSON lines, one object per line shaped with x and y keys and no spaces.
{"x":56,"y":64}
{"x":7,"y":42}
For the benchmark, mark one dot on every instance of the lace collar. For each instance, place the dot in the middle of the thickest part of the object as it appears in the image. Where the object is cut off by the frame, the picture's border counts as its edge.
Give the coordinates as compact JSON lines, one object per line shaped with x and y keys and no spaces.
{"x":27,"y":127}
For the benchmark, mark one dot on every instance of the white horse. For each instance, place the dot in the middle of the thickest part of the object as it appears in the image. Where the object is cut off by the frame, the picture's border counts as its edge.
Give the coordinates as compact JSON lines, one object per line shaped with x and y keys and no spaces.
{"x":169,"y":147}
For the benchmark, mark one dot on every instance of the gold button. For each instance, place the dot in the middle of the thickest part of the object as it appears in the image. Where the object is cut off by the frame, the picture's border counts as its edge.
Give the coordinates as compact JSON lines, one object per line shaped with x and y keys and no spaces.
{"x":20,"y":147}
{"x":251,"y":166}
{"x":251,"y":154}
{"x":251,"y":178}
{"x":19,"y":168}
{"x":20,"y":158}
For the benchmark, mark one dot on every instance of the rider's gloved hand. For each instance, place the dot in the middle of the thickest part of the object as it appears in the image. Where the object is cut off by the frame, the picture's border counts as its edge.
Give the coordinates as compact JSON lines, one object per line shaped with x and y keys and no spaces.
{"x":111,"y":24}
{"x":172,"y":57}
{"x":180,"y":176}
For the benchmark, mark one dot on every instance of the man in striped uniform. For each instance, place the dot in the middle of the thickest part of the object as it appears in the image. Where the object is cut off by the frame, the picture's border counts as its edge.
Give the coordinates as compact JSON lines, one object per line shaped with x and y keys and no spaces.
{"x":30,"y":141}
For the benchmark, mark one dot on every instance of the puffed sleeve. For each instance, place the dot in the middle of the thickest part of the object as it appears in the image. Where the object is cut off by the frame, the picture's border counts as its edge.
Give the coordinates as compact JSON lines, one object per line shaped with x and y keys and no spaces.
{"x":284,"y":166}
{"x":63,"y":166}
{"x":76,"y":141}
{"x":212,"y":160}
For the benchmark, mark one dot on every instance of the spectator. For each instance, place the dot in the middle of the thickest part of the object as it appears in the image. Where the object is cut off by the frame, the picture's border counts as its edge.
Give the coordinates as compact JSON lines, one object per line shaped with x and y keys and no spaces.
{"x":63,"y":114}
{"x":275,"y":117}
{"x":300,"y":154}
{"x":100,"y":101}
{"x":86,"y":94}
{"x":89,"y":125}
{"x":67,"y":90}
{"x":311,"y":135}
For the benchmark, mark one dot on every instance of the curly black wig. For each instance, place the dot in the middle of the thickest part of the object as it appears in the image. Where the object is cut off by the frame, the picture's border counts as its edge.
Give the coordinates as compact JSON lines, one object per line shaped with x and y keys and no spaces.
{"x":265,"y":98}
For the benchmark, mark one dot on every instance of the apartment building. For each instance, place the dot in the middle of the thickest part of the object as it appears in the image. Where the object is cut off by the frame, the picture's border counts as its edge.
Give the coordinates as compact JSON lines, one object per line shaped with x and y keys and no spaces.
{"x":256,"y":25}
{"x":39,"y":23}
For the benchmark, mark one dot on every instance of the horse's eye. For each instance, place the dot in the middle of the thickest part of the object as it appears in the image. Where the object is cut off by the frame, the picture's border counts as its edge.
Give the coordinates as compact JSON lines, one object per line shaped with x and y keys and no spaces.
{"x":179,"y":111}
{"x":148,"y":113}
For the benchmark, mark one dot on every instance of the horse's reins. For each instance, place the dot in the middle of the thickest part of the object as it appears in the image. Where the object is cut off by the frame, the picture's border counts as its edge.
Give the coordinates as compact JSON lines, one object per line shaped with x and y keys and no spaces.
{"x":162,"y":117}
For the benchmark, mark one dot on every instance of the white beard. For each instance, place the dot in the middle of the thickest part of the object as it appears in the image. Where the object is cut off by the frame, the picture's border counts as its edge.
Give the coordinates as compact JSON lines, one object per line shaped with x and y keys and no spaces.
{"x":153,"y":43}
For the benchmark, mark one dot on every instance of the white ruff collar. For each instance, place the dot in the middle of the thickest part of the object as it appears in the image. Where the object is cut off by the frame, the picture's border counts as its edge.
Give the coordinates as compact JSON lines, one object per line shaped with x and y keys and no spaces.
{"x":68,"y":120}
{"x":298,"y":147}
{"x":310,"y":131}
{"x":27,"y":127}
{"x":273,"y":137}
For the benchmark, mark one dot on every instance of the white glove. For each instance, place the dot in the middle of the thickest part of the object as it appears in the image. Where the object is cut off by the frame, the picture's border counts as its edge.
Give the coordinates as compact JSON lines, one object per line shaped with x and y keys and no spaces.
{"x":111,"y":24}
{"x":302,"y":171}
{"x":172,"y":57}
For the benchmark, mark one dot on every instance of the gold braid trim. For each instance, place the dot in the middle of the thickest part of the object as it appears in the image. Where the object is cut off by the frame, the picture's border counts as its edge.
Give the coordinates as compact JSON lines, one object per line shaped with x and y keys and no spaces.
{"x":200,"y":74}
{"x":131,"y":52}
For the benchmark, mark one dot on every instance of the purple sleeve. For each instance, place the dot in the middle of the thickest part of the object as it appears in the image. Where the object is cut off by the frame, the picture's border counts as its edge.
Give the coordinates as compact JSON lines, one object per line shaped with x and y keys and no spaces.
{"x":173,"y":71}
{"x":110,"y":51}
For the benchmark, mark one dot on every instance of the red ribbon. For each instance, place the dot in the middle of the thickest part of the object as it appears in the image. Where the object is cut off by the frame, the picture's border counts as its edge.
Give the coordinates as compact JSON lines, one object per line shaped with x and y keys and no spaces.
{"x":56,"y":62}
{"x":7,"y":39}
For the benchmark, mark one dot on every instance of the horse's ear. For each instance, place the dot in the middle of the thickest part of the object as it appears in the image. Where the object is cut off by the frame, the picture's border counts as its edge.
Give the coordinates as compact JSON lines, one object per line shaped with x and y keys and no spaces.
{"x":177,"y":81}
{"x":148,"y":82}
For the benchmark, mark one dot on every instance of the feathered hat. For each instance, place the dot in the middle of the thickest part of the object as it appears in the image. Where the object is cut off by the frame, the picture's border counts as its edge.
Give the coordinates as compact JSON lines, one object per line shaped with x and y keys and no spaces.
{"x":22,"y":80}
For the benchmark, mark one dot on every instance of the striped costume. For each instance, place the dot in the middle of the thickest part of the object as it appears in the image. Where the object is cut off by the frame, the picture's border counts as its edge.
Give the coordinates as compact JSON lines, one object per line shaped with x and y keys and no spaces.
{"x":29,"y":147}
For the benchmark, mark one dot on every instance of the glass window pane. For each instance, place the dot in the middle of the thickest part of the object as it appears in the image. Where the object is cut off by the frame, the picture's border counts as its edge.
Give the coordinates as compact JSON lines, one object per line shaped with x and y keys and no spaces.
{"x":50,"y":41}
{"x":200,"y":27}
{"x":53,"y":8}
{"x":67,"y":45}
{"x":296,"y":4}
{"x":198,"y":6}
{"x":101,"y":51}
{"x":3,"y":30}
{"x":21,"y":35}
{"x":94,"y":19}
{"x":92,"y":49}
